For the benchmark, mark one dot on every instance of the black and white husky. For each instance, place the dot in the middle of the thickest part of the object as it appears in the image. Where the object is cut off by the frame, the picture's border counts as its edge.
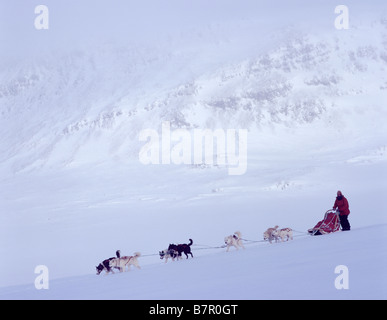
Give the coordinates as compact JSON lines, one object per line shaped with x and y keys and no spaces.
{"x":104,"y":265}
{"x":168,"y":254}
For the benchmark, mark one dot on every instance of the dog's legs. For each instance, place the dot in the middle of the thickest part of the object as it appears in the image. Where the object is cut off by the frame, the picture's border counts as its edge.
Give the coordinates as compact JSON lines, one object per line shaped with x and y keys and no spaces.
{"x":240,"y":243}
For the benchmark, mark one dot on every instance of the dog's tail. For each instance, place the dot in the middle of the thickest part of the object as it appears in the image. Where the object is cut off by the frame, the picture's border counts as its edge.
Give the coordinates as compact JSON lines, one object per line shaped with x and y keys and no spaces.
{"x":238,"y":234}
{"x":190,"y":242}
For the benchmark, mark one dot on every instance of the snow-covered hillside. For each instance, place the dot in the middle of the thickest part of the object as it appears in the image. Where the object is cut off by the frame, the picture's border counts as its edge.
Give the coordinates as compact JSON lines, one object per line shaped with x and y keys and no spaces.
{"x":73,"y":189}
{"x":88,"y":105}
{"x":304,"y":268}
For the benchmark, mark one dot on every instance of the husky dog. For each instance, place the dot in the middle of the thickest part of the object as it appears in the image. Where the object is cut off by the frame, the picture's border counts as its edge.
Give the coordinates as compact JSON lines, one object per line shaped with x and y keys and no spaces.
{"x":180,"y":248}
{"x":169,"y":254}
{"x":125,"y":261}
{"x":104,"y":265}
{"x":271,"y":234}
{"x":284,"y":233}
{"x":234,"y":240}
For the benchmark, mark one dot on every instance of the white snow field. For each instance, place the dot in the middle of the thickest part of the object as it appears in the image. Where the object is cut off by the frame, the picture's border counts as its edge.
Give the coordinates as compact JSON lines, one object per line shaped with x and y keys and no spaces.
{"x":75,"y":99}
{"x":76,"y":229}
{"x":300,"y":269}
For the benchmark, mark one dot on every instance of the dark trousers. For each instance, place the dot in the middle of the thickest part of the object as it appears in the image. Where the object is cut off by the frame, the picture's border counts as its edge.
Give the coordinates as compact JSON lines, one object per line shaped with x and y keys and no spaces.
{"x":345,"y":226}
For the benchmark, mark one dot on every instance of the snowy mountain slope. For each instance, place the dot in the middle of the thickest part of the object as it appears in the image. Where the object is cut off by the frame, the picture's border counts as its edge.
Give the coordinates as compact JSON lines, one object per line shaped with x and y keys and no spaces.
{"x":300,"y":269}
{"x":105,"y":96}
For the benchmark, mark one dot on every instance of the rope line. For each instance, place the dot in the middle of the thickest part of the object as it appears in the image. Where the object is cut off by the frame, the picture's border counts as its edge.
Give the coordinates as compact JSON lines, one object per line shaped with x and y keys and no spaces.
{"x":249,"y":241}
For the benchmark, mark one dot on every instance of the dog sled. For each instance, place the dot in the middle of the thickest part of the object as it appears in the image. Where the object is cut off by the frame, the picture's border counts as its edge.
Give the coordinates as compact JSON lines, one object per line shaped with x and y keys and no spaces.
{"x":331,"y":223}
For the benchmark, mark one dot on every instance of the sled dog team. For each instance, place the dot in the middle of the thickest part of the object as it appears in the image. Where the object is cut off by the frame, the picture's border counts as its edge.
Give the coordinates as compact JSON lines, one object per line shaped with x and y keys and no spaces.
{"x":175,"y":251}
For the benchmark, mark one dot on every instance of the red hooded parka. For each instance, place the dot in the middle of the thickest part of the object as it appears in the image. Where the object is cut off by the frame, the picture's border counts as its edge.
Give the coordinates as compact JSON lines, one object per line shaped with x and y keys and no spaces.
{"x":341,"y":203}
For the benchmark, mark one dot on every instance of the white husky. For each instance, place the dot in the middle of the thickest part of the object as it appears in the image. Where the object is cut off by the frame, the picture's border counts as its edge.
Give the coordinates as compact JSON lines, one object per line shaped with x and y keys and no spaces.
{"x":124,"y":261}
{"x":285,"y":233}
{"x":234,"y":240}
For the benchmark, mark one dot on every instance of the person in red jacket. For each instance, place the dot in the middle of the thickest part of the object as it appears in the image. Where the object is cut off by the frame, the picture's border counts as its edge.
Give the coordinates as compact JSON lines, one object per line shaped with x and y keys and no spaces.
{"x":341,"y":204}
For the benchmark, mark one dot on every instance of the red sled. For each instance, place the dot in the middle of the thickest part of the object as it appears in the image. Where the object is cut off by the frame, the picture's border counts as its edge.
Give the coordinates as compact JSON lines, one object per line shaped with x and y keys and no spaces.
{"x":331,"y":223}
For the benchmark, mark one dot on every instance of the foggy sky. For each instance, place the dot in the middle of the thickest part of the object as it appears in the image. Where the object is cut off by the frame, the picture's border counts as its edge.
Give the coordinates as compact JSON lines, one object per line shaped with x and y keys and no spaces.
{"x":74,"y":23}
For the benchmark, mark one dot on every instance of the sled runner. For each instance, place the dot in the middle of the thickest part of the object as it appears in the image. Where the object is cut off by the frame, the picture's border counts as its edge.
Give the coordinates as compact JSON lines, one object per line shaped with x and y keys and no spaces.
{"x":331,"y":223}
